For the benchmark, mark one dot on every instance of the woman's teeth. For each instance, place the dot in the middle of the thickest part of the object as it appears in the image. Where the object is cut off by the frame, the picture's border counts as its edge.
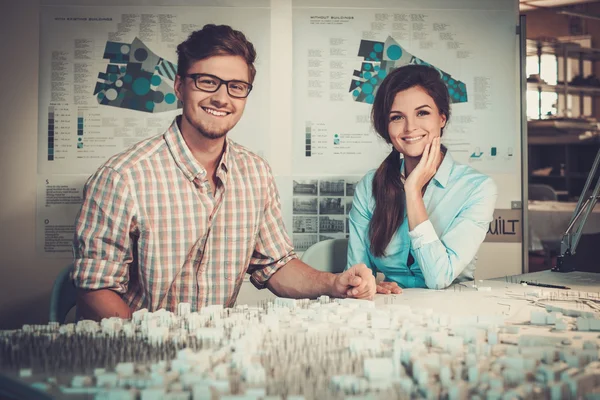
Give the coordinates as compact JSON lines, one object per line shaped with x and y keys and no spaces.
{"x":413,"y":139}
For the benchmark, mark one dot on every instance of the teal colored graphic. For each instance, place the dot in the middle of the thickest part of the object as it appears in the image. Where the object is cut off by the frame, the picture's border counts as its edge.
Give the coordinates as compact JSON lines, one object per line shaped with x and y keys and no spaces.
{"x":477,"y":153}
{"x":382,"y":57}
{"x":136,"y":79}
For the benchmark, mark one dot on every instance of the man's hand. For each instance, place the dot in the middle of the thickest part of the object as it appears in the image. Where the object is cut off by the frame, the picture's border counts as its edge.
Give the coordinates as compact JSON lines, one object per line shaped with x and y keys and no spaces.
{"x":357,"y":282}
{"x":388,"y":288}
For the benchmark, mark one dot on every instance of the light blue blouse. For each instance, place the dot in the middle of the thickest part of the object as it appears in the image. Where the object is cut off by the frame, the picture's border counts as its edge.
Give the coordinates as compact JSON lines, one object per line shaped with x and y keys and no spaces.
{"x":460,"y":203}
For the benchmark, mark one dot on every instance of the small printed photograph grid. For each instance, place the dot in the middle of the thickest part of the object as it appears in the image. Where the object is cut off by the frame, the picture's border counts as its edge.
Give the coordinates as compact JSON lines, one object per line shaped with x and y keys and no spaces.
{"x":320,"y":210}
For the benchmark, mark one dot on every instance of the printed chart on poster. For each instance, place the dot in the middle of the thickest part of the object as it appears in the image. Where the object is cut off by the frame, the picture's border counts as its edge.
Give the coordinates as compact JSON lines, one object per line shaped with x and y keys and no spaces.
{"x":107,"y":73}
{"x":106,"y":82}
{"x":341,"y":57}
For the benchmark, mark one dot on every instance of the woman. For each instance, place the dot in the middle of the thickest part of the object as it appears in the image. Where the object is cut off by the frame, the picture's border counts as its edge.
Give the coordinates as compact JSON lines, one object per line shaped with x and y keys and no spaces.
{"x":420,"y":217}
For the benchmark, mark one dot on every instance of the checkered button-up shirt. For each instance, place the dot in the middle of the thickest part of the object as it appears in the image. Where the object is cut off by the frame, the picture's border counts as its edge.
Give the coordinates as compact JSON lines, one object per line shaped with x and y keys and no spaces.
{"x":151,"y":229}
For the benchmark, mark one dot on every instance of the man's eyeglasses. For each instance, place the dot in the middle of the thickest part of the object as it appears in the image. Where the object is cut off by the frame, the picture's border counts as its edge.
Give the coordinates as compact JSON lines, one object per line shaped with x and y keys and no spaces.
{"x":210,"y":83}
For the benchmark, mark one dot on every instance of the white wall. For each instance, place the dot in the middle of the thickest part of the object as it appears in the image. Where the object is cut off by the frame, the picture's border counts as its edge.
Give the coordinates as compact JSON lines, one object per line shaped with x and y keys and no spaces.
{"x":25,"y":277}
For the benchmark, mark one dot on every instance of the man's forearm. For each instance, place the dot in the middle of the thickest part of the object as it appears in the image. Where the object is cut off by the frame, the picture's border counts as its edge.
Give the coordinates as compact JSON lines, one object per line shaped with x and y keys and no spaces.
{"x":298,"y":280}
{"x":102,"y":303}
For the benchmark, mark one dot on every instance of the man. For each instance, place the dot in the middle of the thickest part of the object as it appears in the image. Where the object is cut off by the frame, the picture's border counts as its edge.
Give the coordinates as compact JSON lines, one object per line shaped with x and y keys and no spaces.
{"x":180,"y":217}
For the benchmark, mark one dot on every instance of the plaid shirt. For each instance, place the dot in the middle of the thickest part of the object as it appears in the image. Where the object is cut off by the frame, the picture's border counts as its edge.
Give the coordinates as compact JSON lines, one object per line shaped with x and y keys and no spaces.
{"x":151,"y":229}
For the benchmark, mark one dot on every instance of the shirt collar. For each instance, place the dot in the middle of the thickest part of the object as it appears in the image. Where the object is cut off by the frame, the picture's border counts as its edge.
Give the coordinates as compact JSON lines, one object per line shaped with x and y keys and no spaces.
{"x":442,"y":174}
{"x":184,"y":158}
{"x":402,"y":173}
{"x":227,"y":157}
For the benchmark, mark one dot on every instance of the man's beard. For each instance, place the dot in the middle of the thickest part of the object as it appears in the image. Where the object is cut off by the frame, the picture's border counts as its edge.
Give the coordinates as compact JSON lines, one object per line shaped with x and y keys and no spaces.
{"x":211,"y":135}
{"x":208,"y":134}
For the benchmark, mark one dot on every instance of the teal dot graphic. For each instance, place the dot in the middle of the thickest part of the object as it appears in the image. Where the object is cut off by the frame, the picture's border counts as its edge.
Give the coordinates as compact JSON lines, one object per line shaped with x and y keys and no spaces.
{"x":373,"y":55}
{"x":374,"y":81}
{"x":150,"y":105}
{"x":80,"y":139}
{"x":112,"y":77}
{"x":451,"y":81}
{"x":378,"y":47}
{"x":394,"y":52}
{"x":127,"y":78}
{"x":367,"y":67}
{"x":100,"y":96}
{"x":445,"y":78}
{"x":123,"y":69}
{"x":369,"y":99}
{"x":367,"y":75}
{"x":382,"y":73}
{"x":156,"y":80}
{"x":451,"y":91}
{"x":356,"y":93}
{"x":456,"y":96}
{"x":141,"y":86}
{"x":121,"y":95}
{"x":376,"y":68}
{"x":463,"y":98}
{"x":170,"y":98}
{"x":367,"y":88}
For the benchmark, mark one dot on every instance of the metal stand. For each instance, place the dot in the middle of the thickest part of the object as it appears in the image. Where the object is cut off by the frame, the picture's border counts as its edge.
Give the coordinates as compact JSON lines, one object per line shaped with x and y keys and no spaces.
{"x":585,"y":205}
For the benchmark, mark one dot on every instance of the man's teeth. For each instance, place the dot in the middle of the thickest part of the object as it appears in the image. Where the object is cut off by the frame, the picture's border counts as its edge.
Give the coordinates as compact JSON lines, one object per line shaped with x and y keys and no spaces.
{"x":215,"y":112}
{"x":414,"y":139}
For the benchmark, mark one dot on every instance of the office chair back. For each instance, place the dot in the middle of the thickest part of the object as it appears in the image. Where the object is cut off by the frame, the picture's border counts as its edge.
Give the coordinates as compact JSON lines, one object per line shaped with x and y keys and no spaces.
{"x":541,"y":192}
{"x":328,"y":255}
{"x":63,"y":296}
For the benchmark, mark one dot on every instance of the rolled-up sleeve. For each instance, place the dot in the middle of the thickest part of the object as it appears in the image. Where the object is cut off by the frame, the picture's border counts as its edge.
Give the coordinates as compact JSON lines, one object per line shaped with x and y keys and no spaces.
{"x":101,"y":245}
{"x":273,"y":247}
{"x":443,"y":258}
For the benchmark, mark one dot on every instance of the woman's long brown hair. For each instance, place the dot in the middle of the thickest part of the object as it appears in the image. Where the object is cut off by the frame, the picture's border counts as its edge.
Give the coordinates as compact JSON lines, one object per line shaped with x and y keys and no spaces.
{"x":388,"y":189}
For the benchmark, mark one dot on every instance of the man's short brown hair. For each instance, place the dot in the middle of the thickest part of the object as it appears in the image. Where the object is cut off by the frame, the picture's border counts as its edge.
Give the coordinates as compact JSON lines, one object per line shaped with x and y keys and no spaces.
{"x":213,"y":40}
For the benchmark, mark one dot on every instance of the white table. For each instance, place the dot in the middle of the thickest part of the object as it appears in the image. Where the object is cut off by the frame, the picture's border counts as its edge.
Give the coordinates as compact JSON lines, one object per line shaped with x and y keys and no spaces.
{"x":463,"y":299}
{"x":548,"y":221}
{"x":467,"y":310}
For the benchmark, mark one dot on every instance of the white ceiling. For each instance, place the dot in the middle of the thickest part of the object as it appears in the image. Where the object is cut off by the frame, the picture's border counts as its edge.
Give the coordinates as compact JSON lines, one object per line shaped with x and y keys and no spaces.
{"x":526,"y":5}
